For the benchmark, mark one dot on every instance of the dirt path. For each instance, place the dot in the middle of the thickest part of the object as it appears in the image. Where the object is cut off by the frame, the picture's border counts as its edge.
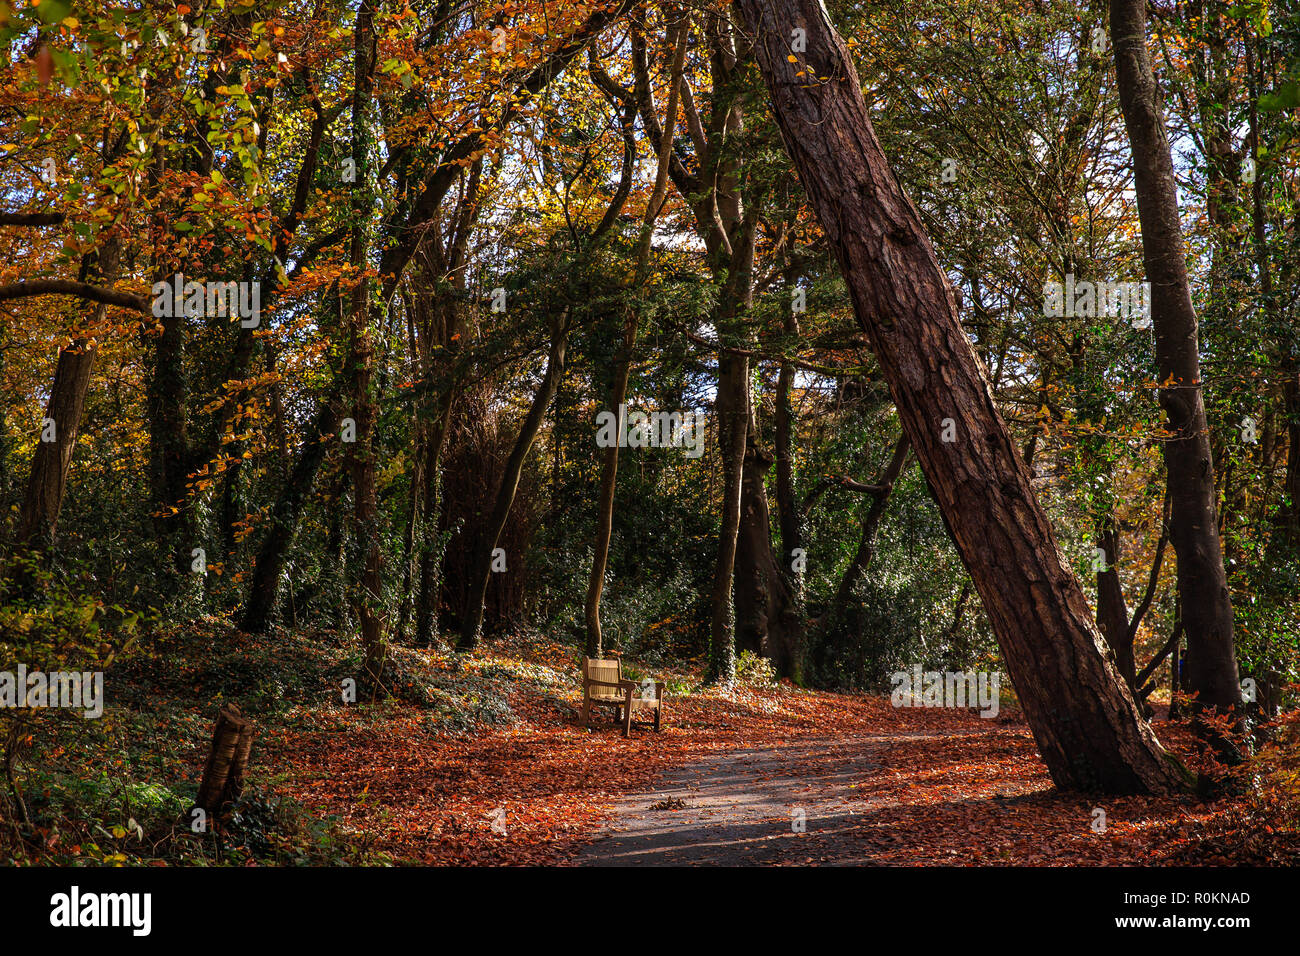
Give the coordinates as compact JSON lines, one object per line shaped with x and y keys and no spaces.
{"x":791,"y":803}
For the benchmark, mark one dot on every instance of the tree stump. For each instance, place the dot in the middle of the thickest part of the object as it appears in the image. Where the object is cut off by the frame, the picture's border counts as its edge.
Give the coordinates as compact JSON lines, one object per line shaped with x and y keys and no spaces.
{"x":223,"y":774}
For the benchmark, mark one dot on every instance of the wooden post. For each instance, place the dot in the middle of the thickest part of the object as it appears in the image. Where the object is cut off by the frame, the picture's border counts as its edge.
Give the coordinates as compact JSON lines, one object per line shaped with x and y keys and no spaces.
{"x":223,"y":775}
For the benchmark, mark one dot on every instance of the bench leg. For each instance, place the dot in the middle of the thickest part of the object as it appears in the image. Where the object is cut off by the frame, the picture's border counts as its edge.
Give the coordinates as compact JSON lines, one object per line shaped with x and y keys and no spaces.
{"x":627,"y":716}
{"x":586,"y":713}
{"x":658,"y":710}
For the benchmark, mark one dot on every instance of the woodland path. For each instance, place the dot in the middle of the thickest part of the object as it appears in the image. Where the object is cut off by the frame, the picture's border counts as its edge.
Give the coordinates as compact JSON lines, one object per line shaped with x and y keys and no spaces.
{"x":743,"y":808}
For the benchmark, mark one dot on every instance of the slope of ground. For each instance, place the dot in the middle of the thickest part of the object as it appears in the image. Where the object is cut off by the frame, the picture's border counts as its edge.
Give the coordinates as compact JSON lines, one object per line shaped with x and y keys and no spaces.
{"x":480,"y":759}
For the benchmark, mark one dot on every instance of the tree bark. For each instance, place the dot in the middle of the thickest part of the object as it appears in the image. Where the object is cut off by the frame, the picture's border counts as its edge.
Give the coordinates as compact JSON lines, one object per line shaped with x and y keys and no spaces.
{"x":52,"y":460}
{"x":50,"y":464}
{"x":1087,"y":725}
{"x":789,"y":513}
{"x":427,"y":588}
{"x":1194,"y":530}
{"x":264,"y":587}
{"x":731,"y":407}
{"x":481,"y":569}
{"x":360,"y":369}
{"x":768,"y":618}
{"x":1112,"y":612}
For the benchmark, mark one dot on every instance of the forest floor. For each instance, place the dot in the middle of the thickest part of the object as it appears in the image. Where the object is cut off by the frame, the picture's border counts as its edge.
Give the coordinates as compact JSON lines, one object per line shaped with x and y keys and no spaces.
{"x":481,"y":759}
{"x":727,"y":781}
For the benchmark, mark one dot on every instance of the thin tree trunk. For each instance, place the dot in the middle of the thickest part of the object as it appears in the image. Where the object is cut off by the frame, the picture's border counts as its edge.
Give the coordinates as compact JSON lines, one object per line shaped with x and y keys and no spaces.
{"x":264,"y":586}
{"x":789,"y":514}
{"x":1087,"y":725}
{"x":732,"y":407}
{"x":1194,"y":531}
{"x":866,"y":543}
{"x":481,"y":568}
{"x":1112,"y":612}
{"x":618,"y":388}
{"x":768,"y":618}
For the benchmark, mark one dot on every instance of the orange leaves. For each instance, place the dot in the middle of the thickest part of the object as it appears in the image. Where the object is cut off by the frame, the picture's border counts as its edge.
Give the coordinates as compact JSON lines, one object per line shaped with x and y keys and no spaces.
{"x":912,"y":786}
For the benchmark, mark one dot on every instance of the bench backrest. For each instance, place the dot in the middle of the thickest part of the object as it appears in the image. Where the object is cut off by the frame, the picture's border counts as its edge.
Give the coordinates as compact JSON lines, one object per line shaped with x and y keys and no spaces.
{"x":606,"y":671}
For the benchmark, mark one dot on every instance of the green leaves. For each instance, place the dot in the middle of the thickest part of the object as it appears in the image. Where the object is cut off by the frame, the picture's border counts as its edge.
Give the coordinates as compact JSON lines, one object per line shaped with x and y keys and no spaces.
{"x":1285,"y":97}
{"x":52,"y":11}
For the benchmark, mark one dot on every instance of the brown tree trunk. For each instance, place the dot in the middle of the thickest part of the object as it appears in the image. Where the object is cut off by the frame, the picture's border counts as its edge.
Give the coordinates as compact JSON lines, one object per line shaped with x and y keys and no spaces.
{"x":731,"y":407}
{"x":427,"y":587}
{"x":1112,"y":612}
{"x":789,"y":513}
{"x":481,"y":568}
{"x":1194,"y":530}
{"x":605,"y":502}
{"x":768,"y":621}
{"x":360,"y":368}
{"x":618,"y":389}
{"x":50,"y":464}
{"x":232,"y":739}
{"x":1087,"y":725}
{"x":51,"y":461}
{"x":264,"y":586}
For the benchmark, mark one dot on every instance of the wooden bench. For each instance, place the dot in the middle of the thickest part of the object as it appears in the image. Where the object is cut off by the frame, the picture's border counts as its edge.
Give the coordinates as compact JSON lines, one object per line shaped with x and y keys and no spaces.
{"x":603,"y":685}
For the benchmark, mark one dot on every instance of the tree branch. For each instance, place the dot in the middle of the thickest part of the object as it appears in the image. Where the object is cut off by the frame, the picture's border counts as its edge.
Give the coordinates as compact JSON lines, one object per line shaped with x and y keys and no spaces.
{"x":82,"y":290}
{"x":31,"y":218}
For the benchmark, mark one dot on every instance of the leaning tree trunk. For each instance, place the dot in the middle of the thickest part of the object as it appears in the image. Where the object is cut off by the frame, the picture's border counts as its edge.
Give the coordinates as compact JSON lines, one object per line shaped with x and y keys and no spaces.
{"x":282,"y":528}
{"x":481,"y":568}
{"x":1194,"y":527}
{"x":618,"y":389}
{"x":867,"y":540}
{"x":1088,"y":727}
{"x":605,"y":499}
{"x":52,"y":460}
